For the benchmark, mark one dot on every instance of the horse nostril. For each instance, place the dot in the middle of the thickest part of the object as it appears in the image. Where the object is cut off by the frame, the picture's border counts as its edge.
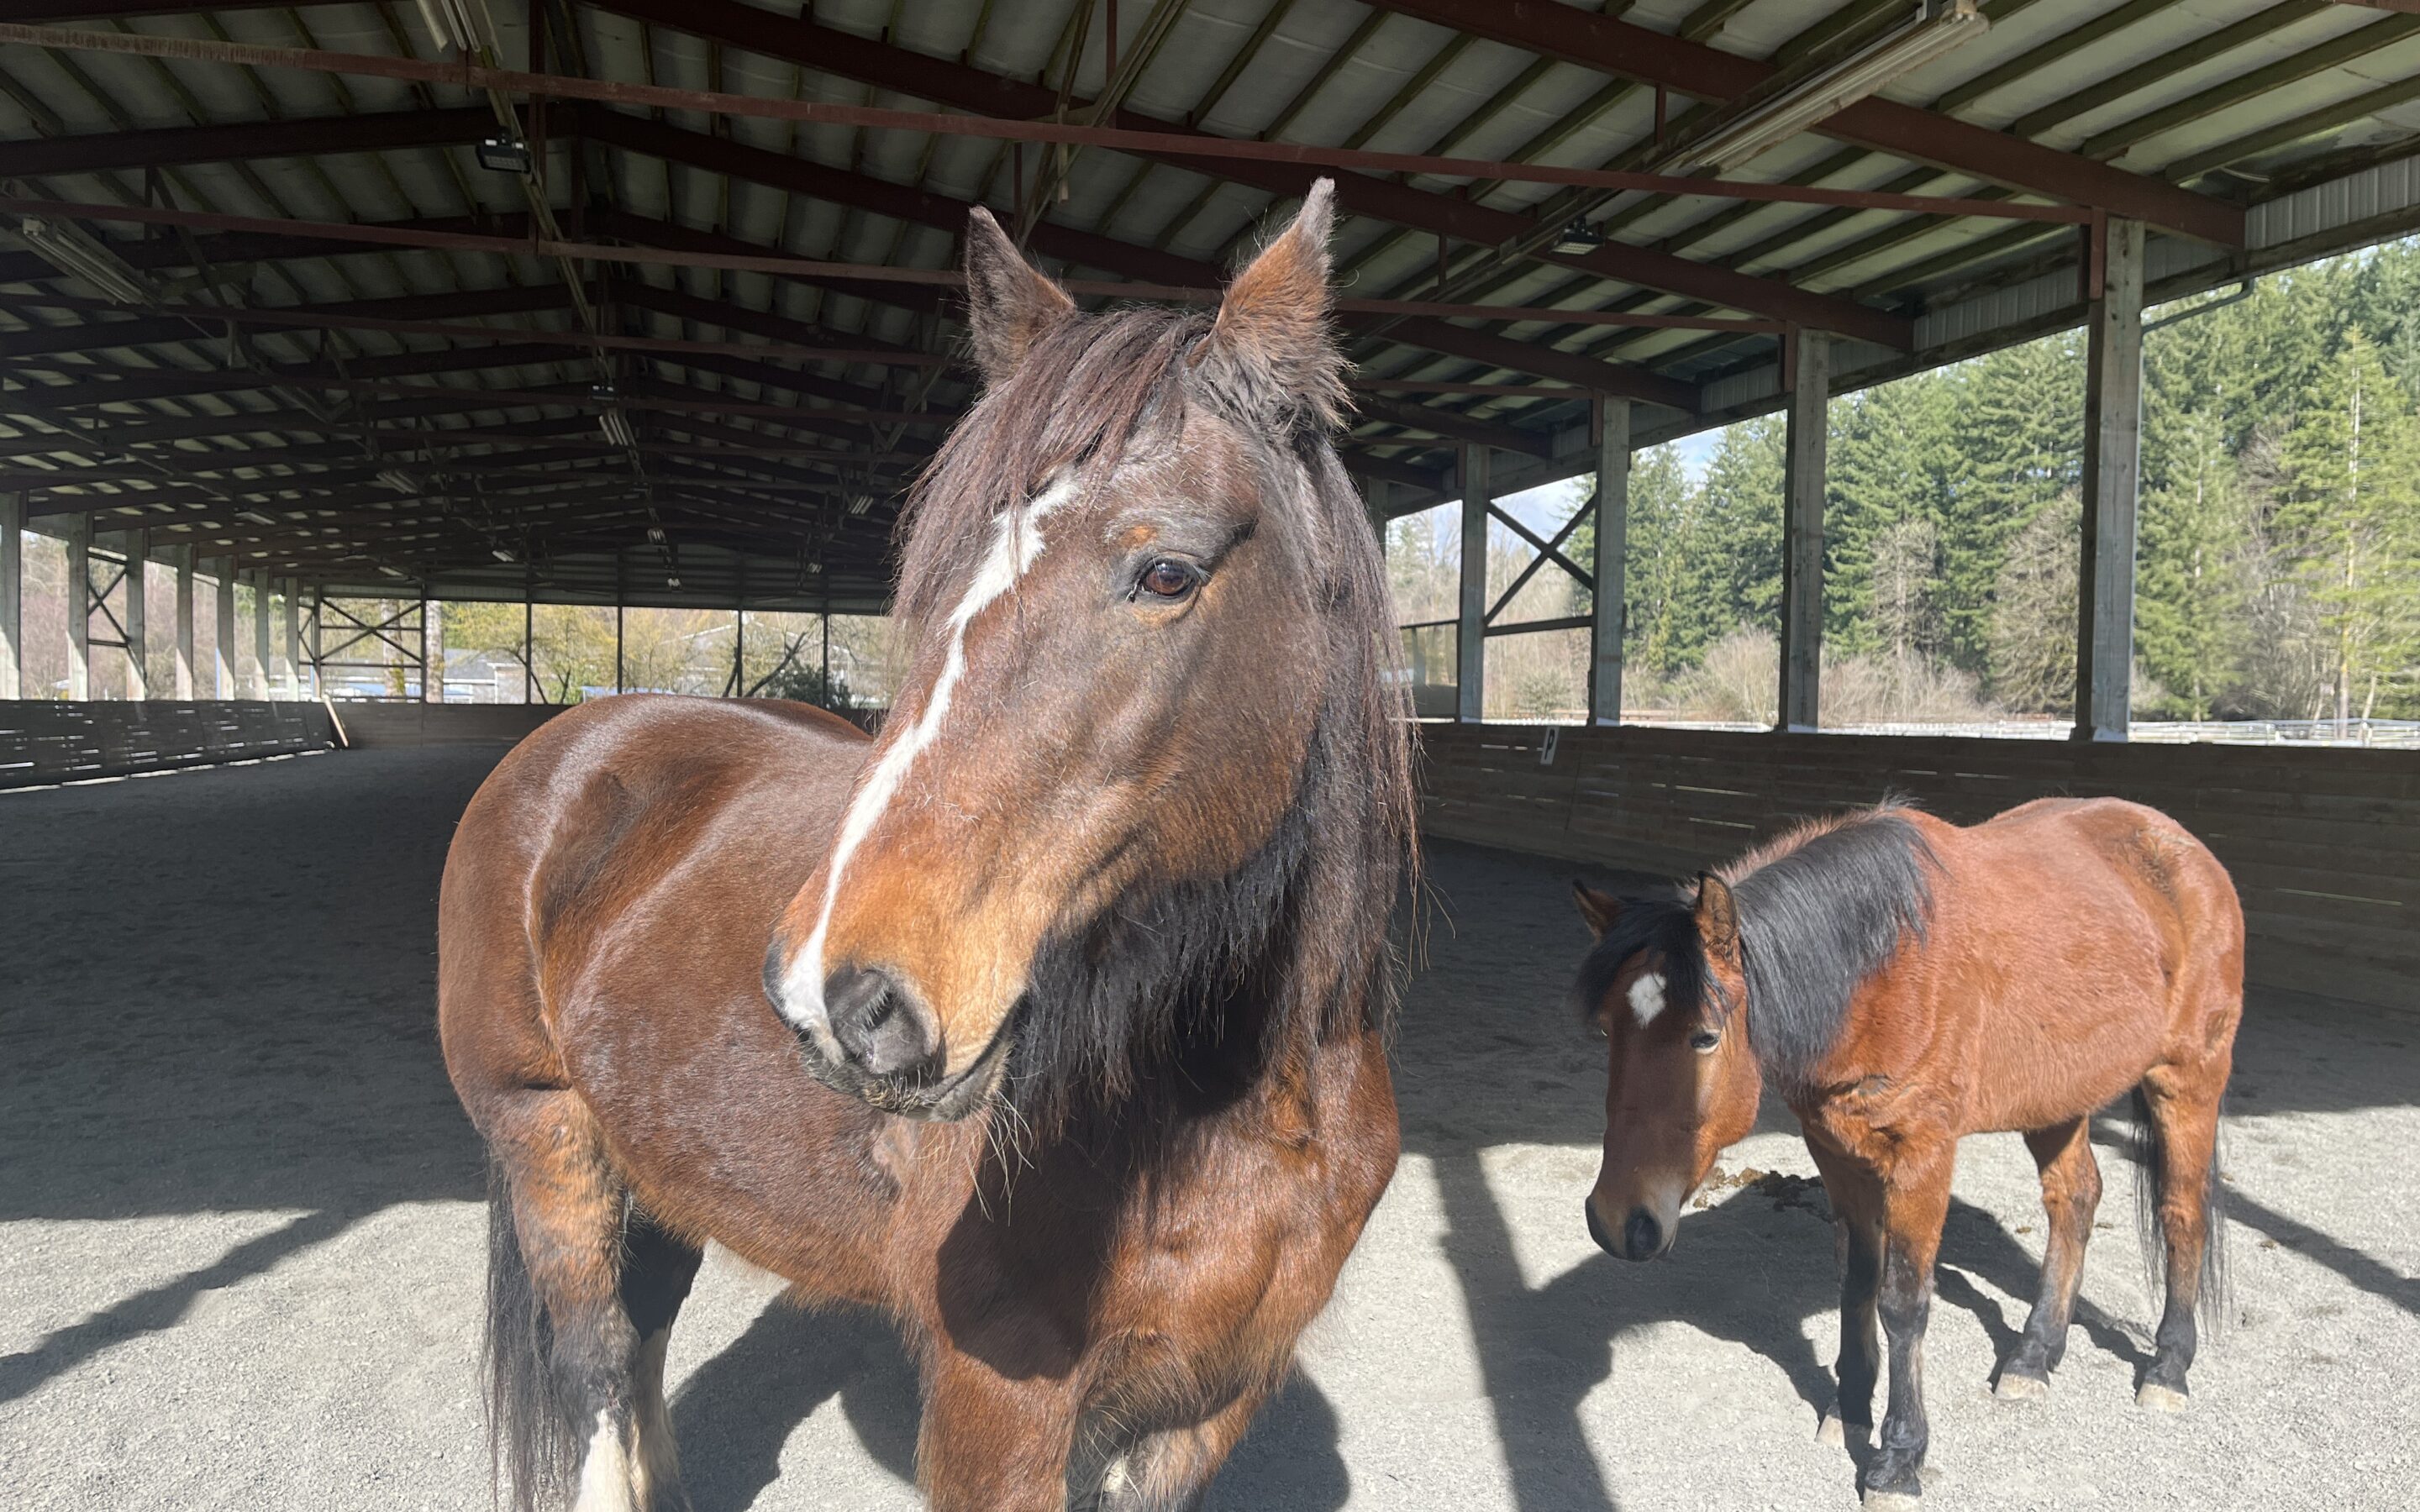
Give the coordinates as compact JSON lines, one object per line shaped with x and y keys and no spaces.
{"x":875,"y":1023}
{"x":1642,"y":1236}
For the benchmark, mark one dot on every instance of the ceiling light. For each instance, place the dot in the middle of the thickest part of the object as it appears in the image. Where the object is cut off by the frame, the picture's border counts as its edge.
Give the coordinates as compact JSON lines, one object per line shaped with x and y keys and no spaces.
{"x":502,"y":555}
{"x":655,"y":535}
{"x":398,"y":479}
{"x":504,"y":154}
{"x":392,"y":572}
{"x":1579,"y":237}
{"x":79,"y":254}
{"x":1754,"y":125}
{"x":859,"y":503}
{"x":671,"y":581}
{"x":616,"y":426}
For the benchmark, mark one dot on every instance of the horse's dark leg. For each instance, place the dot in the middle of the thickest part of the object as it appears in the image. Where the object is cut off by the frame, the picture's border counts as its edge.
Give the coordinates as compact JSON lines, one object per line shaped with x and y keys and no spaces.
{"x":993,"y":1443}
{"x":583,"y":1292}
{"x":1856,"y":1197}
{"x":1915,"y":1203}
{"x":2071,"y":1184}
{"x":2183,"y":1104}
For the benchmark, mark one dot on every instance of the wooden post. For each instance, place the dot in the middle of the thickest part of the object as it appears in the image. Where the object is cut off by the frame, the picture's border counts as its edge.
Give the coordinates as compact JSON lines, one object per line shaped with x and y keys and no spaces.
{"x":2113,"y":437}
{"x":13,"y":596}
{"x":79,"y":605}
{"x":222,"y":645}
{"x":261,"y":592}
{"x":1802,"y":535}
{"x":1471,"y":662}
{"x":1607,"y":612}
{"x":529,"y":645}
{"x":293,"y":637}
{"x":181,"y":687}
{"x":138,"y":617}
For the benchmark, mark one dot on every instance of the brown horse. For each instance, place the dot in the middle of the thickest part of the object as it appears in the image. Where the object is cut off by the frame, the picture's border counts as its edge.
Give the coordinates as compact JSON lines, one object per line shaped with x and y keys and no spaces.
{"x":1904,"y":983}
{"x":1074,"y":1060}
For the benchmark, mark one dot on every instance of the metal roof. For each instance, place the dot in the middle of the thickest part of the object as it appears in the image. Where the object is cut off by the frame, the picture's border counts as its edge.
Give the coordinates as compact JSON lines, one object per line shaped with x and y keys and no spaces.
{"x":406,"y":385}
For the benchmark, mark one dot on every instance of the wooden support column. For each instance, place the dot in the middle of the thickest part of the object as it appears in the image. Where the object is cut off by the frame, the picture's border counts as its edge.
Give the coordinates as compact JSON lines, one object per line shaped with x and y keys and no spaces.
{"x":181,"y":685}
{"x":138,"y":613}
{"x":2112,"y":472}
{"x":1608,"y":607}
{"x":293,"y":637}
{"x":1470,"y":667}
{"x":432,"y":650}
{"x":79,"y":606}
{"x":264,"y":687}
{"x":529,"y":643}
{"x":13,"y":596}
{"x":1802,"y":534}
{"x":223,"y":653}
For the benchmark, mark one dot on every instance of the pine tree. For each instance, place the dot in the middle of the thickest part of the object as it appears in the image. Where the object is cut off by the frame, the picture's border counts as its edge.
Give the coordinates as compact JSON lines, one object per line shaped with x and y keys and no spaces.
{"x":2020,"y":426}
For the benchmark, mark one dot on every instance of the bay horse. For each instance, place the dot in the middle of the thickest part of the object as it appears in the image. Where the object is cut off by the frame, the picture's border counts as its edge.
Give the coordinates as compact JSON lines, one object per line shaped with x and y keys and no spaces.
{"x":1051,"y":1023}
{"x":1904,"y":982}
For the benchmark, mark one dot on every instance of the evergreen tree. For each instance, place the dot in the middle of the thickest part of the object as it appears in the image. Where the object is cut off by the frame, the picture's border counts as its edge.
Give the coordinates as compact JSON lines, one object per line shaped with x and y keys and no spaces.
{"x":2020,"y":426}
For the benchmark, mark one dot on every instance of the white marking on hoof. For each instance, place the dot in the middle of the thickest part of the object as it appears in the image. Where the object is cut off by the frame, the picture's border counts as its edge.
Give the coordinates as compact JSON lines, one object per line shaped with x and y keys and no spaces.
{"x":1646,"y":997}
{"x":2017,"y":1388}
{"x":1831,"y":1431}
{"x":2155,"y":1398}
{"x":605,"y":1471}
{"x":1893,"y":1502}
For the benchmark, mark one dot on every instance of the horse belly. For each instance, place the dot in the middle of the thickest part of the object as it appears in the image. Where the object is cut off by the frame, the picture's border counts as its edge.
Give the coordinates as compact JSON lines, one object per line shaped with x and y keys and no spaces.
{"x":2047,"y":1067}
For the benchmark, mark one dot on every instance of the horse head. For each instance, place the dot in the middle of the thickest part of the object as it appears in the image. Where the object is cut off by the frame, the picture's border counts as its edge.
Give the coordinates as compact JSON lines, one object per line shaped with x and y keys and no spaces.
{"x":1141,"y":589}
{"x":1666,"y":987}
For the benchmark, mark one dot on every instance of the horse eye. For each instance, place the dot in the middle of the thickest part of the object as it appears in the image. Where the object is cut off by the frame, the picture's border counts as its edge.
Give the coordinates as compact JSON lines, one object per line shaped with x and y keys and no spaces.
{"x":1168,"y":579}
{"x":1705,"y":1039}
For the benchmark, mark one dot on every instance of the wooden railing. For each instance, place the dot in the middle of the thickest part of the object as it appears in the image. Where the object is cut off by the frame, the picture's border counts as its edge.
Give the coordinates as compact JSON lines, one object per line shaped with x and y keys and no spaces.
{"x":45,"y":741}
{"x":2324,"y":844}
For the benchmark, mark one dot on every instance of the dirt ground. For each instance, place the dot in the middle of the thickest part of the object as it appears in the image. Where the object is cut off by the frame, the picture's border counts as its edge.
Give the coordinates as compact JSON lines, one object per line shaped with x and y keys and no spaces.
{"x":241,"y":1238}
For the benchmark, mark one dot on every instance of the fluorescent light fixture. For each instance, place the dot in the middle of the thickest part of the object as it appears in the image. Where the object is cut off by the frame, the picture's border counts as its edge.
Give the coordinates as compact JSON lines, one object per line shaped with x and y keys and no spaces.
{"x":79,"y":254}
{"x":398,"y":480}
{"x":1754,"y":125}
{"x":502,"y":555}
{"x":655,"y":535}
{"x":616,"y":426}
{"x":504,"y":154}
{"x":1579,"y":237}
{"x":392,"y":572}
{"x":859,"y":503}
{"x":671,"y":581}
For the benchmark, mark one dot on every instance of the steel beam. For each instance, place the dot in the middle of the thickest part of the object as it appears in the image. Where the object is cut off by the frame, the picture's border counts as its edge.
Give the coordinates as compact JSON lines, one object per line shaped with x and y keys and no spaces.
{"x":13,"y":596}
{"x":79,"y":608}
{"x":1628,"y":50}
{"x":223,"y":653}
{"x":183,"y":678}
{"x":1470,"y":625}
{"x":1802,"y":535}
{"x":138,"y":613}
{"x":262,"y":687}
{"x":1608,"y":604}
{"x":2113,"y":424}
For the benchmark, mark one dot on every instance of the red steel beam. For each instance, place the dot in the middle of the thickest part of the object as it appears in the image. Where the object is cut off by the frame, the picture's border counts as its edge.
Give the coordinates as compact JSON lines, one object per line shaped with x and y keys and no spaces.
{"x":961,"y":86}
{"x":1628,"y":50}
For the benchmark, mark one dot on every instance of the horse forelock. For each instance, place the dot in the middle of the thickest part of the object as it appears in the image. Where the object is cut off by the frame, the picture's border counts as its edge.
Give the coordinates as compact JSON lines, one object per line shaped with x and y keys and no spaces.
{"x":1295,"y":938}
{"x":1821,"y":911}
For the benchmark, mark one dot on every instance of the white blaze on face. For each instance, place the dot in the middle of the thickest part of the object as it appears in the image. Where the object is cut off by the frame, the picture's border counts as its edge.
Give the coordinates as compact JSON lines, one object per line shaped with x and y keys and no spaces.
{"x":1015,"y":543}
{"x":1646,"y":996}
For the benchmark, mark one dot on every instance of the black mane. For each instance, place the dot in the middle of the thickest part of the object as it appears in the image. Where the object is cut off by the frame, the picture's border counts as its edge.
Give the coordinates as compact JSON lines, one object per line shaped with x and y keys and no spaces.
{"x":1819,"y":913}
{"x":1818,"y":920}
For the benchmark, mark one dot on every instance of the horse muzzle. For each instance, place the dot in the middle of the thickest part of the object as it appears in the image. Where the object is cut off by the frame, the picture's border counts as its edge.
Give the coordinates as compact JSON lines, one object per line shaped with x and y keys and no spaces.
{"x":865,"y":1034}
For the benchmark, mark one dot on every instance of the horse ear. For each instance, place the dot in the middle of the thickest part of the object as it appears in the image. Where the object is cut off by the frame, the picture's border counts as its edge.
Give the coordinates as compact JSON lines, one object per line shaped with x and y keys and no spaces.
{"x":1717,"y":915}
{"x":1599,"y":908}
{"x":1010,"y":304}
{"x":1272,"y":334}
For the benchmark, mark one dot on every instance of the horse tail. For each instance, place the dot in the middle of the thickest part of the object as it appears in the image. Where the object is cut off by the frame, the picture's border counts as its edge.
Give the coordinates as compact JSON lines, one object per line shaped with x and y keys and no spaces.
{"x":532,"y":1440}
{"x":2147,"y":1149}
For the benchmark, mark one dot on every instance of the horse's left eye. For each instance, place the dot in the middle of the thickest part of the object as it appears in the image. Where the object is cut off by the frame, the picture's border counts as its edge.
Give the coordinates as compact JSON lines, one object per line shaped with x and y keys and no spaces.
{"x":1705,"y":1039}
{"x":1169,"y":579}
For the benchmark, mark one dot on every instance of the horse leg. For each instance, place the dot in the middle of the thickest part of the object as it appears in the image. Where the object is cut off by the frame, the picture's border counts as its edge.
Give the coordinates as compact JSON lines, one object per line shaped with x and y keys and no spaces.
{"x":1857,"y":1238}
{"x":1171,"y":1471}
{"x":583,"y":1289}
{"x":2181,"y":1105}
{"x":992,"y":1443}
{"x":1915,"y":1203}
{"x":2071,"y":1184}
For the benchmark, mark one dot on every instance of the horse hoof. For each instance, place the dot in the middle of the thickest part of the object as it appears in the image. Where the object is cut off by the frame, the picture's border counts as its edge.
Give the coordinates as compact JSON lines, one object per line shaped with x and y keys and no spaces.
{"x":2016,"y":1388}
{"x":2155,"y":1398}
{"x":1893,"y":1502}
{"x":1830,"y":1431}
